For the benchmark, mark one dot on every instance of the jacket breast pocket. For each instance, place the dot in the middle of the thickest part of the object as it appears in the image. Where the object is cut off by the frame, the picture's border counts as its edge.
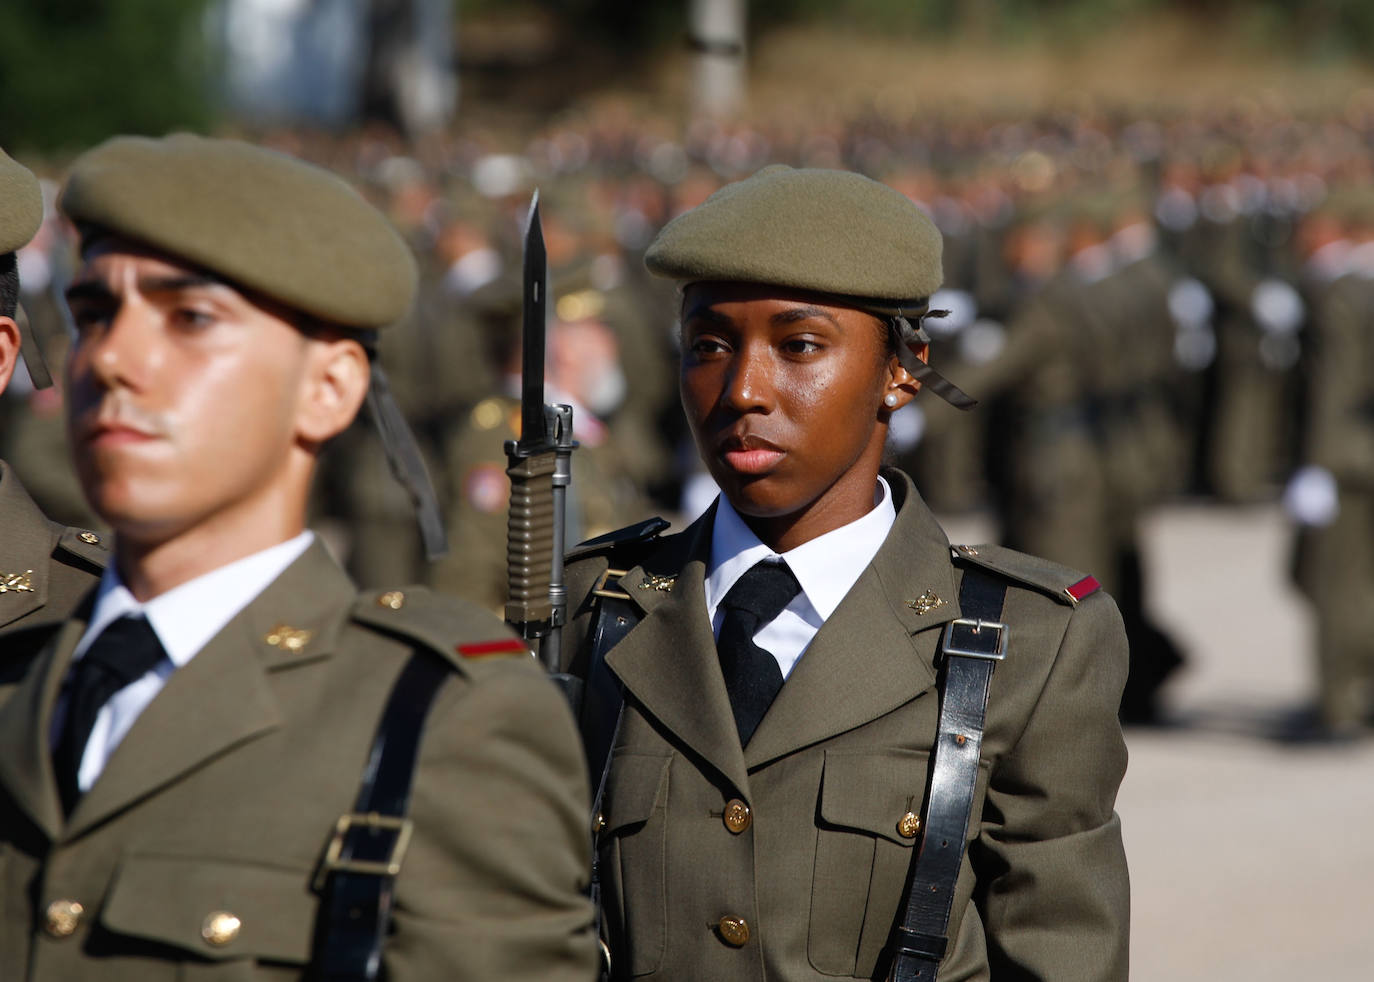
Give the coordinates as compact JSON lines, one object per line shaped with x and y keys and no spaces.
{"x":227,"y":920}
{"x":864,"y":852}
{"x":633,"y":853}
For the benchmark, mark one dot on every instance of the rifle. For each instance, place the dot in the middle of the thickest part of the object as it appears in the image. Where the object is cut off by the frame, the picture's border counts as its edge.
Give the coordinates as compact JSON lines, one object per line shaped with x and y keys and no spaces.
{"x":539,"y":465}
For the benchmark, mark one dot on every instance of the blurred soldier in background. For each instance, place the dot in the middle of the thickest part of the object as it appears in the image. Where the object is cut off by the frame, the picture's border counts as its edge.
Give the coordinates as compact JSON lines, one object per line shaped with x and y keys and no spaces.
{"x":584,"y":371}
{"x":1331,"y":496}
{"x":45,"y":569}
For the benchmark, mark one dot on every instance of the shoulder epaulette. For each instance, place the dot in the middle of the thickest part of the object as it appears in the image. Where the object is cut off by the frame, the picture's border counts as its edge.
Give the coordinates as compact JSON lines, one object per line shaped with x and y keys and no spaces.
{"x":453,"y":628}
{"x":1064,"y":584}
{"x":645,"y":531}
{"x":85,"y":545}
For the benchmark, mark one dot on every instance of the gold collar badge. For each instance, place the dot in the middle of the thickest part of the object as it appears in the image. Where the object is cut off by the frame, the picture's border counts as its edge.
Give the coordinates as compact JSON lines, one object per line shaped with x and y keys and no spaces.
{"x":925,"y":603}
{"x":17,"y":582}
{"x":289,"y":639}
{"x":659,"y":583}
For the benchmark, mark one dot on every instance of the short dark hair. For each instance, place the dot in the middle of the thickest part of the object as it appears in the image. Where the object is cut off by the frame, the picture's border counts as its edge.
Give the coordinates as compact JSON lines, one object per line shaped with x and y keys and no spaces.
{"x":9,"y":285}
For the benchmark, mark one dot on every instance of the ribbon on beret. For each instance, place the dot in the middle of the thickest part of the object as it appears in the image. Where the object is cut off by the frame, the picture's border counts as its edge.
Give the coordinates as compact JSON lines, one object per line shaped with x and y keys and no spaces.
{"x":406,"y":463}
{"x":908,"y":336}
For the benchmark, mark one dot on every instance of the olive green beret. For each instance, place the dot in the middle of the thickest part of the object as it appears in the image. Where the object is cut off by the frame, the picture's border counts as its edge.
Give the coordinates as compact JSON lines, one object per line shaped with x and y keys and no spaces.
{"x":262,"y":220}
{"x":21,"y":205}
{"x":824,"y":230}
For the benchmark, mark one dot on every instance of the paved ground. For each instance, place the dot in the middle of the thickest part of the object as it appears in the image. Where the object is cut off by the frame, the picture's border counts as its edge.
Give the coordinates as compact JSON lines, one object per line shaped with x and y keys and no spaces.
{"x":1250,"y":860}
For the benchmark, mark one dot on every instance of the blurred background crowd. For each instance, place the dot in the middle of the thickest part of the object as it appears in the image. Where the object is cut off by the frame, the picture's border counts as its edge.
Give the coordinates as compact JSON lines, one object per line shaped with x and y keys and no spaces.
{"x":1159,"y":249}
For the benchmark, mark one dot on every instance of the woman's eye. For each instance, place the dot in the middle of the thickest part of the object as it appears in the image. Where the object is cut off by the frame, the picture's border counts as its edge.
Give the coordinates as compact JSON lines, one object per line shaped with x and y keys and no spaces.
{"x":708,"y":346}
{"x":800,"y":346}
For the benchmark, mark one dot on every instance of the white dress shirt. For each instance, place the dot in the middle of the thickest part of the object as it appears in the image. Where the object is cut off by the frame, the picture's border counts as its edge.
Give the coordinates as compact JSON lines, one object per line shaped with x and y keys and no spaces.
{"x":184,"y":619}
{"x":826,"y":567}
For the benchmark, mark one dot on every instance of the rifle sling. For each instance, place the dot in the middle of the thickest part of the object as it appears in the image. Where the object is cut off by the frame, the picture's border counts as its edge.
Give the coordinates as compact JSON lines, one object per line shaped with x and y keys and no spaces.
{"x":602,"y":711}
{"x":359,"y":870}
{"x":972,"y":645}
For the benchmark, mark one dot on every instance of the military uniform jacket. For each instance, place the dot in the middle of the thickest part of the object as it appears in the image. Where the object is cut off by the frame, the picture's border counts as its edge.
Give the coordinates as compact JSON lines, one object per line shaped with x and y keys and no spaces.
{"x":224,"y":794}
{"x":817,"y":867}
{"x":45,"y":570}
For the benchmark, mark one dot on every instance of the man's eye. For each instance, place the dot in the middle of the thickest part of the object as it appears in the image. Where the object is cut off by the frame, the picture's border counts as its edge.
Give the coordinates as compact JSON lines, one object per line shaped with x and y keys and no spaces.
{"x":86,"y":318}
{"x":189,"y":317}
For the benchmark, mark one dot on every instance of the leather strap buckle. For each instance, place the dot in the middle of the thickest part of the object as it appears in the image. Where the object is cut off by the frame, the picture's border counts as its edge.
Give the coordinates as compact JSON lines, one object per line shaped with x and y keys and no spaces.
{"x":371,"y":822}
{"x":972,"y":637}
{"x":931,"y":947}
{"x":604,"y":588}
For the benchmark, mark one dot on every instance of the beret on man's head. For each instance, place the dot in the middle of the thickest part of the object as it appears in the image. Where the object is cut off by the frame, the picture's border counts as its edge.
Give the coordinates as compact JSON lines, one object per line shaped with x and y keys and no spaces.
{"x":824,"y":230}
{"x":21,"y":205}
{"x":262,"y":220}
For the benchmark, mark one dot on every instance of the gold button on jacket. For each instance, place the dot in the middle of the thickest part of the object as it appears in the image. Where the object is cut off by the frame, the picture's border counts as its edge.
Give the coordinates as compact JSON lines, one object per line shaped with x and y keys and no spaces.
{"x":734,"y":931}
{"x":62,"y":918}
{"x":196,"y":848}
{"x":737,"y":816}
{"x":840,"y":759}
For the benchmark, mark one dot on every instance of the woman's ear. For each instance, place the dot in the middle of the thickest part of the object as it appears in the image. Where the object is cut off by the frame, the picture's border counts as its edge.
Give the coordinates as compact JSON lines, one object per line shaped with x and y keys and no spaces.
{"x":337,"y":377}
{"x":901,"y":386}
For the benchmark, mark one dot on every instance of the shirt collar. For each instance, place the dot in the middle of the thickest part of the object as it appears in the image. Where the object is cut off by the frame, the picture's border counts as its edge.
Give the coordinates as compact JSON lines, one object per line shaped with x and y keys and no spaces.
{"x":826,"y":566}
{"x":186,"y":617}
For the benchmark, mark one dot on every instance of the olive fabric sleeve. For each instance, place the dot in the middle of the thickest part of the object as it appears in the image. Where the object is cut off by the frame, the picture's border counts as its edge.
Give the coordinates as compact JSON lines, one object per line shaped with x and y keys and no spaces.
{"x":493,"y":884}
{"x":1053,"y":888}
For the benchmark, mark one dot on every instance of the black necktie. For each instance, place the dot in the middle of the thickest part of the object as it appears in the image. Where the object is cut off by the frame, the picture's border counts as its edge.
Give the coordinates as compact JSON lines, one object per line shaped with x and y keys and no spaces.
{"x":124,"y":652}
{"x":752,"y":675}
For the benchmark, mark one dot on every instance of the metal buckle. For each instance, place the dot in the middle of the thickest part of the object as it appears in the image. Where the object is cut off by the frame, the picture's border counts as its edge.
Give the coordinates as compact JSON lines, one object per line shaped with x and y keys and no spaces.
{"x":373,"y":867}
{"x":601,"y":590}
{"x":996,"y":651}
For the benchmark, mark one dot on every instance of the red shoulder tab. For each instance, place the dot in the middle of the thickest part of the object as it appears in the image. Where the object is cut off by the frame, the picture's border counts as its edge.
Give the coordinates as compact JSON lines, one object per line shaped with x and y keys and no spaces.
{"x":1085,"y":587}
{"x":483,"y":649}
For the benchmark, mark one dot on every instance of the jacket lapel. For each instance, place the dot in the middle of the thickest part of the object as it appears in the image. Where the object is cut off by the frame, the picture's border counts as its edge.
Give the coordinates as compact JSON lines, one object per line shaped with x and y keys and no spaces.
{"x":26,"y":547}
{"x":223,"y":697}
{"x":668,"y":661}
{"x":877,"y":651}
{"x":25,"y":722}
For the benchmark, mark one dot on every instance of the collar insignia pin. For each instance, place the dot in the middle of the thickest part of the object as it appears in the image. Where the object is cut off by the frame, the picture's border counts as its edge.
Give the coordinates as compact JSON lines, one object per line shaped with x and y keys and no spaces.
{"x":17,"y":582}
{"x":660,"y":583}
{"x":925,"y":603}
{"x":289,"y":639}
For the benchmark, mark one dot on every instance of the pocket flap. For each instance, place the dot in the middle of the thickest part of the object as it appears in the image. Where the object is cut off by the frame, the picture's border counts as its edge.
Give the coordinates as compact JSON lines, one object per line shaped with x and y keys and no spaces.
{"x":870,"y":791}
{"x":177,"y":901}
{"x":636,"y":786}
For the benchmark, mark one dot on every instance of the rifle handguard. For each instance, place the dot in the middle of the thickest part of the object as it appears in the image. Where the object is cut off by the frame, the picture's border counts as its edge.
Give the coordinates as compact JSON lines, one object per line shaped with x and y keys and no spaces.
{"x":529,"y":543}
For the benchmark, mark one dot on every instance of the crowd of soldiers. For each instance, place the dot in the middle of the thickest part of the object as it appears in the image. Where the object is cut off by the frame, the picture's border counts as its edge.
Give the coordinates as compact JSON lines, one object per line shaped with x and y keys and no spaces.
{"x":1146,"y":308}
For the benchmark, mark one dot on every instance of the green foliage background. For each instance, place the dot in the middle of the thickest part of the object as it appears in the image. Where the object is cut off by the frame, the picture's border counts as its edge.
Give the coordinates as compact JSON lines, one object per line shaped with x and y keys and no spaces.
{"x":75,"y":71}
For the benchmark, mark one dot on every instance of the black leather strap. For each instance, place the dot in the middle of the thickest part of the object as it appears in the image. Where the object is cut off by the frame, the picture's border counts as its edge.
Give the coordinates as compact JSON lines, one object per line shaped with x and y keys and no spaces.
{"x":602,"y":711}
{"x":360,"y":867}
{"x":972,"y":646}
{"x":616,"y":616}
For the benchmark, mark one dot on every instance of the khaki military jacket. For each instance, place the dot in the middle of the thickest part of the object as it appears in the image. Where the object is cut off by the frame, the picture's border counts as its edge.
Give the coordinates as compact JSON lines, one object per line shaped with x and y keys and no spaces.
{"x":45,"y":570}
{"x":222,"y":797}
{"x":798,"y":839}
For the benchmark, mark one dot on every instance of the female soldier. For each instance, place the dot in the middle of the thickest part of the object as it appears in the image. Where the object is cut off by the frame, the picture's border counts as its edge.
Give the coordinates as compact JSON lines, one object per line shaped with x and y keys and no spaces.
{"x":804,"y":668}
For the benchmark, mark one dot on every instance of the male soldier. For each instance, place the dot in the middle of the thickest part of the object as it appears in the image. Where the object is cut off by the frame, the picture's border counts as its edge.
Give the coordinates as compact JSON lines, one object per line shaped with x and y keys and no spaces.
{"x":45,"y":569}
{"x":174,"y":768}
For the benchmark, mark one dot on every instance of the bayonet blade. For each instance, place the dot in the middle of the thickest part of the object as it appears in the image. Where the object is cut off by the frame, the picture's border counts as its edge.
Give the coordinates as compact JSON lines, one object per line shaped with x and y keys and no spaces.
{"x":534,"y":430}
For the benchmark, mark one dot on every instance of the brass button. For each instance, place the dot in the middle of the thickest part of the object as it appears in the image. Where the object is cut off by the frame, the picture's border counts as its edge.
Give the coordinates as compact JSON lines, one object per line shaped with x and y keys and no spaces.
{"x":737,"y":816}
{"x":734,"y":931}
{"x":90,"y":538}
{"x":62,"y":918}
{"x":598,"y":822}
{"x":908,"y":825}
{"x":392,"y":600}
{"x":220,"y":928}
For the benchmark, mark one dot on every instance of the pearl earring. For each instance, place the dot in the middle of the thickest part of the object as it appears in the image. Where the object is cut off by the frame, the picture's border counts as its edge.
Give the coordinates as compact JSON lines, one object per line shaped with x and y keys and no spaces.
{"x":890,"y":399}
